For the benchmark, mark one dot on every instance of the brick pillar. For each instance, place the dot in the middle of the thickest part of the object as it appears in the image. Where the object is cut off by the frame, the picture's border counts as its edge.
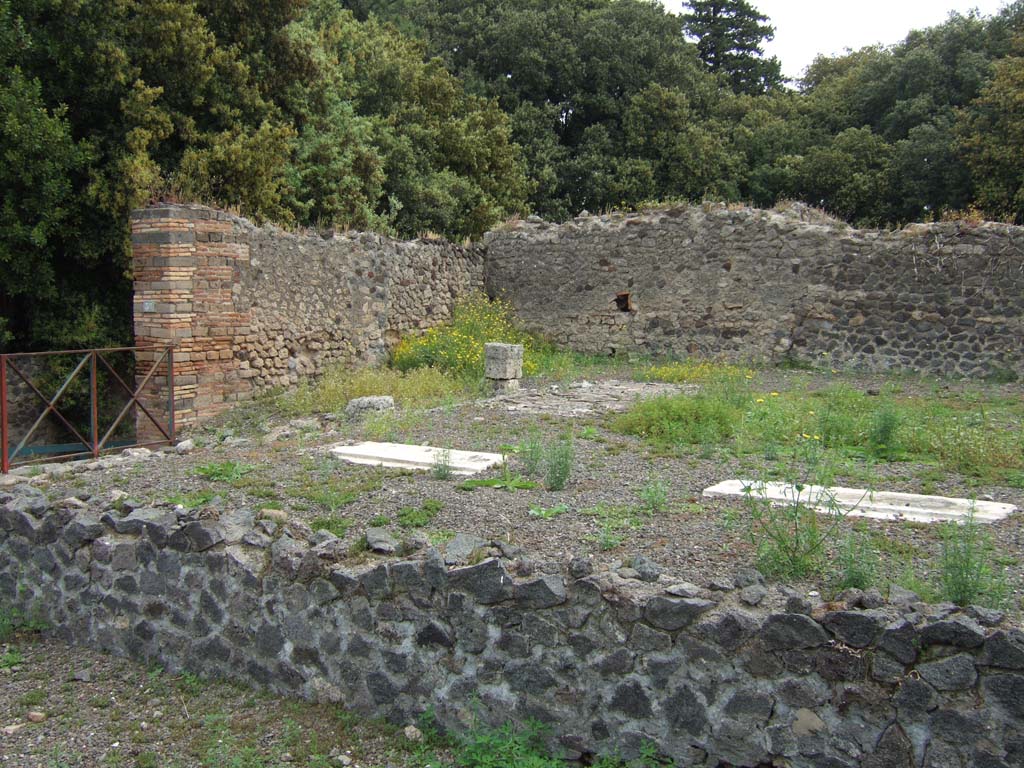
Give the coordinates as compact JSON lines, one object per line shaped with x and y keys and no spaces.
{"x":186,"y":262}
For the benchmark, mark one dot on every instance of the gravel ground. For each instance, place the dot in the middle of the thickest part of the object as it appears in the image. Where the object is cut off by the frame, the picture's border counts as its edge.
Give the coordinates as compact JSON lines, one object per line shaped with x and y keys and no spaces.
{"x":107,"y":712}
{"x":97,"y":711}
{"x":290,"y":468}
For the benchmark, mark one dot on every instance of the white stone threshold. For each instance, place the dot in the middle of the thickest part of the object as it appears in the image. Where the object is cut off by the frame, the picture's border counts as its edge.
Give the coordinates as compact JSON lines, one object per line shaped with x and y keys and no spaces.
{"x":858,"y":502}
{"x":416,"y":457}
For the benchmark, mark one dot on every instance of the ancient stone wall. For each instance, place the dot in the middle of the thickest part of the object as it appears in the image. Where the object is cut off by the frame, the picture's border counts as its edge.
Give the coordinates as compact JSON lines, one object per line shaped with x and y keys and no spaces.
{"x":711,"y":676}
{"x":765,"y":285}
{"x":249,"y":307}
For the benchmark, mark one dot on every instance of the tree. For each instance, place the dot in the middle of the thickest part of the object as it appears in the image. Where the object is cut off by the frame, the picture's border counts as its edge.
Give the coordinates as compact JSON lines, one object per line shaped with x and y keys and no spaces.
{"x":729,"y":35}
{"x":289,"y":110}
{"x":991,"y":134}
{"x":850,"y":177}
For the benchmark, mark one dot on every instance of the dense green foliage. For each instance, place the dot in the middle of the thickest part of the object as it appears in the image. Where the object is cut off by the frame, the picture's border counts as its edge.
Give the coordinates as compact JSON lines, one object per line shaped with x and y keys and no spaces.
{"x":408,"y":116}
{"x":284,"y":109}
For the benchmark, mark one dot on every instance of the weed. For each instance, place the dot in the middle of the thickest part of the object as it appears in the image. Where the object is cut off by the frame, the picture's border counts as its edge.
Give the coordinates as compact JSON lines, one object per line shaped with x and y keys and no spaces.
{"x":441,"y":469}
{"x":506,"y":746}
{"x":337,"y":492}
{"x":965,"y":573}
{"x":359,"y":547}
{"x":707,"y":418}
{"x":1001,"y":375}
{"x":508,"y":484}
{"x":191,"y":684}
{"x":332,"y":524}
{"x":192,"y":500}
{"x":908,"y":579}
{"x":548,"y":513}
{"x":33,"y":698}
{"x":419,"y":388}
{"x":380,"y":521}
{"x":457,"y":348}
{"x":440,"y":536}
{"x":696,"y":371}
{"x":411,"y":517}
{"x":589,"y":432}
{"x":558,"y":462}
{"x":14,"y":619}
{"x":392,"y":426}
{"x":654,"y":496}
{"x":858,"y":561}
{"x":612,"y":524}
{"x":531,"y":453}
{"x":224,"y":750}
{"x":225,"y":471}
{"x":1014,"y":479}
{"x":789,"y":536}
{"x":882,"y":438}
{"x":10,"y":658}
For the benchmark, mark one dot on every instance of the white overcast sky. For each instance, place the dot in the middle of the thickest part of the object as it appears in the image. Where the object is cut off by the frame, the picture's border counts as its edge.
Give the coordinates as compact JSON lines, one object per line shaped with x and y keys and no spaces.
{"x":805,"y":29}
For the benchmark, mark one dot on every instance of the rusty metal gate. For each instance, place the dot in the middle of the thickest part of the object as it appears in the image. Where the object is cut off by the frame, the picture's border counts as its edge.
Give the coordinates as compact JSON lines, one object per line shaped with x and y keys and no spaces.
{"x":86,"y":413}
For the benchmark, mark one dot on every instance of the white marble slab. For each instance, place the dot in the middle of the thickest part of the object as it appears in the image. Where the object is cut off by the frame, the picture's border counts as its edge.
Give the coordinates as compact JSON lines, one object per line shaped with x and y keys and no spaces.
{"x":421,"y":457}
{"x":858,"y":502}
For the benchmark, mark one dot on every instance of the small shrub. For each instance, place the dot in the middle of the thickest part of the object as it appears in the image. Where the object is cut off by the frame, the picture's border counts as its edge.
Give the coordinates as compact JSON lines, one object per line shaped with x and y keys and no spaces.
{"x":558,"y":462}
{"x":965,"y":573}
{"x":654,"y":496}
{"x":33,"y":698}
{"x":789,"y":540}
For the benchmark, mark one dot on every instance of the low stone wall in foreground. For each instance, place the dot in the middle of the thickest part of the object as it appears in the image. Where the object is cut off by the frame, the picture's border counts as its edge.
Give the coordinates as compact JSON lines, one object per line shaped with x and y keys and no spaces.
{"x":747,"y":676}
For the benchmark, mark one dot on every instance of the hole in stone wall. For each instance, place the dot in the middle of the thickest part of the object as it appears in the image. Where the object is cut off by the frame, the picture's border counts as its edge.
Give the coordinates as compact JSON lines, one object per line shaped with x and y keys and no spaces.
{"x":624,"y":302}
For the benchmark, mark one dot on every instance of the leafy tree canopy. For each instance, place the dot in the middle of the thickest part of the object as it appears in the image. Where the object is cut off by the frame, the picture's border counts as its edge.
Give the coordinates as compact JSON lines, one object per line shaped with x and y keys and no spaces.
{"x":291,"y":111}
{"x":406,"y":116}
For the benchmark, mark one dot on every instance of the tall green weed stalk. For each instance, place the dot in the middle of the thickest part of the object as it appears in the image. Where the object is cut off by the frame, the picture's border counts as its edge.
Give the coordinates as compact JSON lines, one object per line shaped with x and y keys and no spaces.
{"x":965,"y":566}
